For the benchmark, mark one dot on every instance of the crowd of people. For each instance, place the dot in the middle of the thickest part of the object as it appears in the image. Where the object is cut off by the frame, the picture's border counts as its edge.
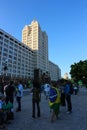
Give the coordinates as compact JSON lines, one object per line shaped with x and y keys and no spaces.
{"x":9,"y":90}
{"x":57,"y":94}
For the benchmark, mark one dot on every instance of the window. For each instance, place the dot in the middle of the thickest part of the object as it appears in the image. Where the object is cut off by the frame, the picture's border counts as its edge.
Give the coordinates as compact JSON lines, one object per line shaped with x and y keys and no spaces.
{"x":1,"y":42}
{"x":1,"y":37}
{"x":5,"y":40}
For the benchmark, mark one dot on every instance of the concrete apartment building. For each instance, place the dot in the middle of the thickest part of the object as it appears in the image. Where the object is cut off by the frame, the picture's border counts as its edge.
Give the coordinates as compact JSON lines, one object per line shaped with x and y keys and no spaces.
{"x":21,"y":58}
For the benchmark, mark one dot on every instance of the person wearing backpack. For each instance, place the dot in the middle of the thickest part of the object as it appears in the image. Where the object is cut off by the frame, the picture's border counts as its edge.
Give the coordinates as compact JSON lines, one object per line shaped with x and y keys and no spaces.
{"x":36,"y":98}
{"x":54,"y":101}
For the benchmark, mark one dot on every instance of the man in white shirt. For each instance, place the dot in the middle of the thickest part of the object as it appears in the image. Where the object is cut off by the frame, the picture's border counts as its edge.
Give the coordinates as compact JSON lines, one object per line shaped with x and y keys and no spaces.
{"x":19,"y":95}
{"x":46,"y":90}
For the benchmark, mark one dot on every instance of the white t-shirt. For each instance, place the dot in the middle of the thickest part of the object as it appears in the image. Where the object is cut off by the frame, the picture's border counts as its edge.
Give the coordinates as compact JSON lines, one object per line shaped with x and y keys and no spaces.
{"x":20,"y":90}
{"x":47,"y":87}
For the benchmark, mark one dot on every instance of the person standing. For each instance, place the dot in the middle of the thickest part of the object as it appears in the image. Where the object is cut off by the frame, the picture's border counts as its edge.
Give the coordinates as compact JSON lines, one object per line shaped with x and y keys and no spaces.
{"x":54,"y":101}
{"x":68,"y":97}
{"x":9,"y":92}
{"x":36,"y":98}
{"x":19,"y":95}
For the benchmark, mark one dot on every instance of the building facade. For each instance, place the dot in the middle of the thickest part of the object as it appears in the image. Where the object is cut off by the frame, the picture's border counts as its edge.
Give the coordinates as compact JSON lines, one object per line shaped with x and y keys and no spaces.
{"x":37,"y":40}
{"x":22,"y":58}
{"x":55,"y":72}
{"x":16,"y":56}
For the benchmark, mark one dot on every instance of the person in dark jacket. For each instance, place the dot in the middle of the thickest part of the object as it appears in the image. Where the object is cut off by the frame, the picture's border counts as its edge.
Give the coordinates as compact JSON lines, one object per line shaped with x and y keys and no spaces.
{"x":63,"y":103}
{"x":10,"y":93}
{"x":36,"y":98}
{"x":68,"y":97}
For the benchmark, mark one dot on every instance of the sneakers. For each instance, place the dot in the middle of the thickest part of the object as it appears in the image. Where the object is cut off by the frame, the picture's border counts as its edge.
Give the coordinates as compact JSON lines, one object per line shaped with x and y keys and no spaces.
{"x":2,"y":126}
{"x":18,"y":110}
{"x":33,"y":116}
{"x":69,"y":112}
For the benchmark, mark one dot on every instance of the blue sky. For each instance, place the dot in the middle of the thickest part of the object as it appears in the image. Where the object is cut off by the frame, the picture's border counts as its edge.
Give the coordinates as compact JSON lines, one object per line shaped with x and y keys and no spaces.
{"x":65,"y":22}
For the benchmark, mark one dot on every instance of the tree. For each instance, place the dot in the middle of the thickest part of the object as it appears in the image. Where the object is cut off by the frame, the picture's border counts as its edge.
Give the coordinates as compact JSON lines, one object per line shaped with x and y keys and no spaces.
{"x":79,"y":71}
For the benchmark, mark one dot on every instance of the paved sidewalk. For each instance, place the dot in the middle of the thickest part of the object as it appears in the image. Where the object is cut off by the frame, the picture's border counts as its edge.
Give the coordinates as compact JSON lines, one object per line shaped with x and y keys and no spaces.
{"x":75,"y":121}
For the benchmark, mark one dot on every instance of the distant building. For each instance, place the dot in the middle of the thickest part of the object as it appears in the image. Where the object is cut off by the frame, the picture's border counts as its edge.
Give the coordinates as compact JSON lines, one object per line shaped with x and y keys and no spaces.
{"x":66,"y":76}
{"x":55,"y":72}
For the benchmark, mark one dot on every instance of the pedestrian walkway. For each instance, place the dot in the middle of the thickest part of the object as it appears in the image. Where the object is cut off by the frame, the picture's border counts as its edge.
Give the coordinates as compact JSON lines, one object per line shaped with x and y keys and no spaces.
{"x":75,"y":121}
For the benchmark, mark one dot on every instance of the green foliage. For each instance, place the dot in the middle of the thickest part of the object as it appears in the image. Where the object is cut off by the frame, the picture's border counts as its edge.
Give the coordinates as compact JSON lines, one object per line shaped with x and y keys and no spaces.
{"x":79,"y":71}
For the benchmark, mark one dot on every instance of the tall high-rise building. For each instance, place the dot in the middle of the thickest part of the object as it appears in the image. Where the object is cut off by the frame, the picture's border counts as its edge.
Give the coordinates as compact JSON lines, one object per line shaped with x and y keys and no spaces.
{"x":37,"y":40}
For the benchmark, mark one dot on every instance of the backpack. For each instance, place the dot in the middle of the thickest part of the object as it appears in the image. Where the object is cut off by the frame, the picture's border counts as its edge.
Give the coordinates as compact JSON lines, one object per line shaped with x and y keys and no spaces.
{"x":53,"y":94}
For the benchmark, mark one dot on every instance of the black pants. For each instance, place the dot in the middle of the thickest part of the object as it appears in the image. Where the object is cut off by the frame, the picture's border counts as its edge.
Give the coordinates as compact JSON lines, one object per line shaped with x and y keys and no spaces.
{"x":34,"y":104}
{"x":69,"y":104}
{"x":75,"y":91}
{"x":1,"y":118}
{"x":11,"y":100}
{"x":63,"y":103}
{"x":19,"y":103}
